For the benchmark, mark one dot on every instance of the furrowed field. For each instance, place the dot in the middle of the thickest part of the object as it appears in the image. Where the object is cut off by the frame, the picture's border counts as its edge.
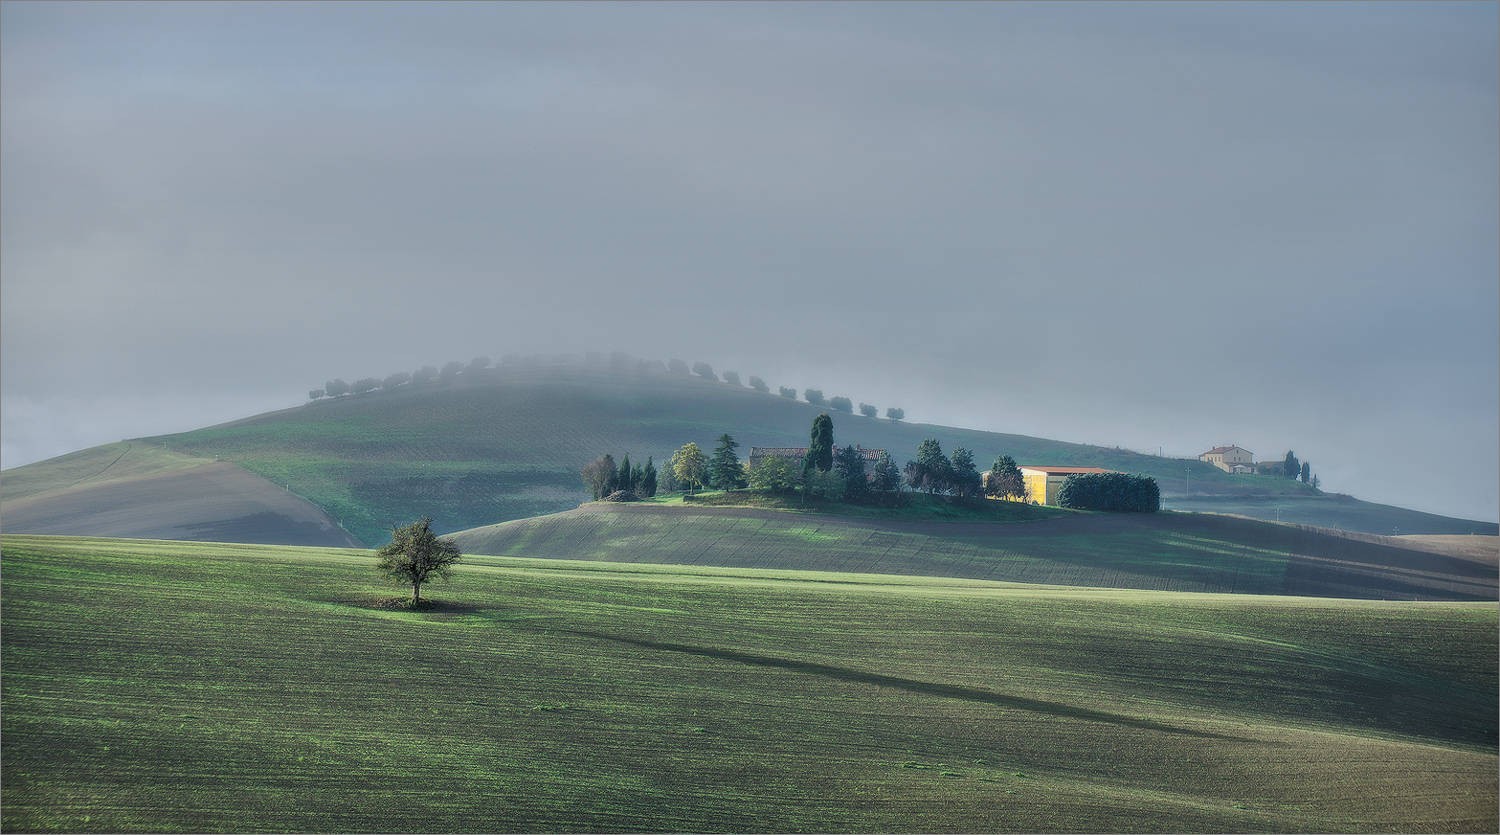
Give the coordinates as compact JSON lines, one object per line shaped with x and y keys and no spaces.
{"x":190,"y":686}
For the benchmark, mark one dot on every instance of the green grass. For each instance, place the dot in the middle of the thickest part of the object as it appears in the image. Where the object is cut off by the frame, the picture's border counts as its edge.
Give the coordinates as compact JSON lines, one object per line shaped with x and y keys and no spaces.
{"x":909,"y":506}
{"x":96,"y":465}
{"x":177,"y":686}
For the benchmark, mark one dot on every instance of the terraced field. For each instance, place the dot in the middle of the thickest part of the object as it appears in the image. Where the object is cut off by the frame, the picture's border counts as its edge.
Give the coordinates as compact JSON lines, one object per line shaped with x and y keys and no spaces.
{"x":176,"y":686}
{"x":1165,"y":551}
{"x":508,"y":444}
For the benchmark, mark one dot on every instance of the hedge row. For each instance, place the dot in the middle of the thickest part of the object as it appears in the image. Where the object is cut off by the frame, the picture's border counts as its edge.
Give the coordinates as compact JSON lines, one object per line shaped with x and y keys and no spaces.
{"x":1110,"y":491}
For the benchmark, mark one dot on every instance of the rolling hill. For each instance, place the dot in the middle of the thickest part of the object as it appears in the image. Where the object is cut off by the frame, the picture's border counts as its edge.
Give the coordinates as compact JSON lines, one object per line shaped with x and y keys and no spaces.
{"x":168,"y":686}
{"x":508,"y":443}
{"x":1164,"y":551}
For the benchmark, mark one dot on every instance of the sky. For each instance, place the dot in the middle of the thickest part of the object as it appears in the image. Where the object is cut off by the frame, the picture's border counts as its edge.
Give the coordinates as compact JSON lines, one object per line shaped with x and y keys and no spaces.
{"x":1150,"y":225}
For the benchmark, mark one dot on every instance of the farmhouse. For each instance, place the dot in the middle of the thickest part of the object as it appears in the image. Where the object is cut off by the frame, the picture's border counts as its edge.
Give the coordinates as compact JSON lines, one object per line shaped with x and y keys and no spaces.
{"x":1230,"y":459}
{"x":795,"y":454}
{"x":1043,"y":483}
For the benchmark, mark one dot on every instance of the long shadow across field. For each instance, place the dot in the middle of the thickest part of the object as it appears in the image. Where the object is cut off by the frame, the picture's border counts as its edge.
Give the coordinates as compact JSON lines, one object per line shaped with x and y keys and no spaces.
{"x":927,"y":688}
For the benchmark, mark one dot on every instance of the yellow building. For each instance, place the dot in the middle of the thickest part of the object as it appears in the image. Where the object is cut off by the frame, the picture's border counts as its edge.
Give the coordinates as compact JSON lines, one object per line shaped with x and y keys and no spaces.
{"x":1227,"y":458}
{"x":1042,"y":483}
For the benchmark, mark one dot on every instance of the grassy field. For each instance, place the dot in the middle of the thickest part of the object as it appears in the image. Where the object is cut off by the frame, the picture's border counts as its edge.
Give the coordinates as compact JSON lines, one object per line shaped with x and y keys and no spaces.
{"x":95,"y":466}
{"x":509,"y":445}
{"x":196,"y":687}
{"x":1164,"y":551}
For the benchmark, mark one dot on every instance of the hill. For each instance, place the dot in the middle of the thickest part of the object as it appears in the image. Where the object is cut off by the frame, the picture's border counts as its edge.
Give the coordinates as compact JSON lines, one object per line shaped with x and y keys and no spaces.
{"x":134,"y":489}
{"x":1165,"y":551}
{"x":173,"y":686}
{"x":508,"y":443}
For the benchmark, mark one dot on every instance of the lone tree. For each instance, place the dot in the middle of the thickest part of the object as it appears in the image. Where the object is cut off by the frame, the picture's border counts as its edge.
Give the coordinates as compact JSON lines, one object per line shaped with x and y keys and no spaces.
{"x":867,"y":410}
{"x":895,"y":414}
{"x":820,"y":445}
{"x":415,"y":555}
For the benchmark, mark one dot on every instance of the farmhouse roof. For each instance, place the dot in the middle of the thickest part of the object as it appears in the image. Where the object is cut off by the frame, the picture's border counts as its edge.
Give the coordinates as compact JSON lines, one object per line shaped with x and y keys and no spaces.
{"x":1219,"y":449}
{"x":1065,"y":470}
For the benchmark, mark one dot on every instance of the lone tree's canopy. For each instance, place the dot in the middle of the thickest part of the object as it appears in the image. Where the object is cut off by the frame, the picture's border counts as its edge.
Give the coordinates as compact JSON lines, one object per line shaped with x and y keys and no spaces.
{"x":416,"y":555}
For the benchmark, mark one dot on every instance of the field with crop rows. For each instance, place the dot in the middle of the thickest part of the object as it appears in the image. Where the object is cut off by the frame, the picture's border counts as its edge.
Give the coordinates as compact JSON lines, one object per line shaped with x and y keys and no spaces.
{"x":176,"y":686}
{"x":1165,"y":551}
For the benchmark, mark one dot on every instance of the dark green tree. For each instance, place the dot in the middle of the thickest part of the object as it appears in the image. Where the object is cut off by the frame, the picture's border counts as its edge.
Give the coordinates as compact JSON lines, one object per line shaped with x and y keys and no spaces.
{"x":336,"y":387}
{"x":623,"y":481}
{"x":849,"y":463}
{"x":415,"y":555}
{"x":820,"y":445}
{"x":786,"y":391}
{"x":932,"y":471}
{"x":758,"y":384}
{"x":1005,"y":479}
{"x":895,"y":414}
{"x":964,"y":479}
{"x":724,"y":470}
{"x":813,"y":396}
{"x":867,"y":410}
{"x":842,"y":404}
{"x":1290,"y":466}
{"x":887,"y":474}
{"x":648,"y":479}
{"x":1306,"y":472}
{"x":598,"y":475}
{"x":732,"y":377}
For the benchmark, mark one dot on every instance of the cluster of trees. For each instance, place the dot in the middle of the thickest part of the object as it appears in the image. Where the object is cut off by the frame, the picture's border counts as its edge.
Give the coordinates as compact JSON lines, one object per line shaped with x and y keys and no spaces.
{"x":1289,"y":467}
{"x":1117,"y":492}
{"x":603,"y":476}
{"x":337,"y":387}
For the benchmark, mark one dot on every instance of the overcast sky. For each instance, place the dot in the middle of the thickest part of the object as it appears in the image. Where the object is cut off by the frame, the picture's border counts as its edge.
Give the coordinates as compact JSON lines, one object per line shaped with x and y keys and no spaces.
{"x":1163,"y":225}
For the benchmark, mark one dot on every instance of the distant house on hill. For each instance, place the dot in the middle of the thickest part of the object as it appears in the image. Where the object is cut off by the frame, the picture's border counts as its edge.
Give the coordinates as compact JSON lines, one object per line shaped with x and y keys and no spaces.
{"x":1042,"y":483}
{"x":1230,"y":459}
{"x":795,"y":454}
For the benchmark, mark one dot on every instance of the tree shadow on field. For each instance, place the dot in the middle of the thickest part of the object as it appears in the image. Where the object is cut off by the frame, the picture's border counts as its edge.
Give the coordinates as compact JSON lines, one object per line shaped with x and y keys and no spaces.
{"x":927,"y":688}
{"x":404,"y":604}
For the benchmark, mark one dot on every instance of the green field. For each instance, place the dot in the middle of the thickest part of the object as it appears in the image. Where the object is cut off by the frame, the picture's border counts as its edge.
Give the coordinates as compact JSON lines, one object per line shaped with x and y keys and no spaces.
{"x":1012,"y":542}
{"x":175,"y":686}
{"x":509,"y":443}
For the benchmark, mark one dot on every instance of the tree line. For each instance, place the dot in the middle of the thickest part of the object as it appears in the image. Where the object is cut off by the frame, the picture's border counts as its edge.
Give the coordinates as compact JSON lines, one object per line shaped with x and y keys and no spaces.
{"x":618,"y":361}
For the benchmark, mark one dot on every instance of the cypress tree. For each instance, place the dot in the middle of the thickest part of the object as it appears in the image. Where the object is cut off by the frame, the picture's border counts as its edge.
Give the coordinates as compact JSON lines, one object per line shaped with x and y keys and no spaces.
{"x":1290,"y":466}
{"x":625,"y":474}
{"x":820,"y":445}
{"x":648,"y":479}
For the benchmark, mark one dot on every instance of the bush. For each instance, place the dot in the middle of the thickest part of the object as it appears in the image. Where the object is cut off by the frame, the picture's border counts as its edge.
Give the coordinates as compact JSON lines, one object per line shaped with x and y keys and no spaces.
{"x":1118,"y":492}
{"x":758,"y":384}
{"x":788,"y":392}
{"x":841,"y":404}
{"x":813,"y":396}
{"x":867,"y":410}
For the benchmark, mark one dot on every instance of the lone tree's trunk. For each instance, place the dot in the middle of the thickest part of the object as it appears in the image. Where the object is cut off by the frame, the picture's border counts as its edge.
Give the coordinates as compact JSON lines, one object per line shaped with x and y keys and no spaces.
{"x":416,"y":593}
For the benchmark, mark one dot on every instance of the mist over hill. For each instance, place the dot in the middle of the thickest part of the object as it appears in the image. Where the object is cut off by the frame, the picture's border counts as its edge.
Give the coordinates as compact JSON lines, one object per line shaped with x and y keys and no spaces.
{"x":506,"y":442}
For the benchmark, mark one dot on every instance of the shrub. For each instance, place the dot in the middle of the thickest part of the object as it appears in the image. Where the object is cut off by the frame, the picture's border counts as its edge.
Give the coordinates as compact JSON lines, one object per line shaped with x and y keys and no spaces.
{"x":867,"y":410}
{"x":1119,"y":492}
{"x":841,"y":404}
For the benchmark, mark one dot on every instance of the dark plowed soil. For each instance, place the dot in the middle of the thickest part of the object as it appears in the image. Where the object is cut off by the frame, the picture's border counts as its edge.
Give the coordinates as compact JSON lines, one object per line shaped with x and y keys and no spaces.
{"x":213,"y":503}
